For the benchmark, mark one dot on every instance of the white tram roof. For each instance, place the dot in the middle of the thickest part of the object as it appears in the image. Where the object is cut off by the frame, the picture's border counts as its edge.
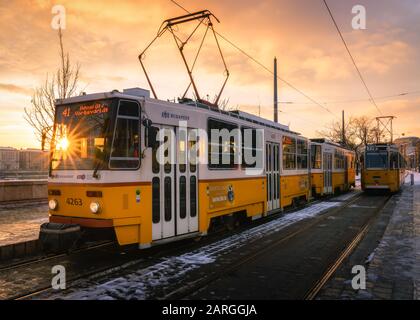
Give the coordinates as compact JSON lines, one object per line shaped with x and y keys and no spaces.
{"x":135,"y":93}
{"x":383,"y":147}
{"x":132,"y":93}
{"x":253,"y":118}
{"x":326,"y":141}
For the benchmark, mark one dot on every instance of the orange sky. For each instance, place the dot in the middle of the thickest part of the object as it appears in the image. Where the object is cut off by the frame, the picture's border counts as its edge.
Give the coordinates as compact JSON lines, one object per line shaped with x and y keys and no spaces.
{"x":106,"y":36}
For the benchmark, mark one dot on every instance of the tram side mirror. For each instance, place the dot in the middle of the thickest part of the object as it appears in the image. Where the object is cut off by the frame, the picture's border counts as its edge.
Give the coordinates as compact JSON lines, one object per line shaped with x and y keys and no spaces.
{"x":151,"y":136}
{"x":147,"y":123}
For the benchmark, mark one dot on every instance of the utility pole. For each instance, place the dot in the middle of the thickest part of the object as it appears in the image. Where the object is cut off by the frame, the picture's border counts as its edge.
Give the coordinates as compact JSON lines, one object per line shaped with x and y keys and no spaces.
{"x":343,"y":130}
{"x":275,"y":92}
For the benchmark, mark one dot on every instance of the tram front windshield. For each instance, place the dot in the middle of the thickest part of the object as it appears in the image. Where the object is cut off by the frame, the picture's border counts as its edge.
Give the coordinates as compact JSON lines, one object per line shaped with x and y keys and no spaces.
{"x":377,"y":160}
{"x":102,"y":134}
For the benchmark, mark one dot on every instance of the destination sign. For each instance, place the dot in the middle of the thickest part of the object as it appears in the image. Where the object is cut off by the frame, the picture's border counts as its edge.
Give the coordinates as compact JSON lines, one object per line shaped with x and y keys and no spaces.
{"x":375,"y":148}
{"x":86,"y":110}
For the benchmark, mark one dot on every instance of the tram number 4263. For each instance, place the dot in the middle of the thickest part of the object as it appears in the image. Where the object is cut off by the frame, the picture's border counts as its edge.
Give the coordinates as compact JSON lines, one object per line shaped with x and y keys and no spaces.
{"x":74,"y":201}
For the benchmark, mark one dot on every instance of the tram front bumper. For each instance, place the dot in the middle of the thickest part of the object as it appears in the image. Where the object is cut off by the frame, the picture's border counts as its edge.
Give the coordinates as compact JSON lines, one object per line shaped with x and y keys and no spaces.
{"x":58,"y":237}
{"x":375,"y":186}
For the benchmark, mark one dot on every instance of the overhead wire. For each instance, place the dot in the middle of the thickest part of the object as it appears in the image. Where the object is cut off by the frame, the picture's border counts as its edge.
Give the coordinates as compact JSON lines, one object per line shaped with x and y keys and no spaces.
{"x":351,"y":57}
{"x":264,"y":67}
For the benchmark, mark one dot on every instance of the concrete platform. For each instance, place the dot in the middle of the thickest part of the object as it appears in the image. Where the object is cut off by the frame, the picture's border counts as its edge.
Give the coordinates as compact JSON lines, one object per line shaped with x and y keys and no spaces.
{"x":20,"y":222}
{"x":16,"y":190}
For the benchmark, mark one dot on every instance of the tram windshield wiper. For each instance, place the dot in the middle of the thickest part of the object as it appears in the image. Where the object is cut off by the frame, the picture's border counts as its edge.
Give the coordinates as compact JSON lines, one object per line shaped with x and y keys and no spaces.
{"x":99,"y":160}
{"x":100,"y":155}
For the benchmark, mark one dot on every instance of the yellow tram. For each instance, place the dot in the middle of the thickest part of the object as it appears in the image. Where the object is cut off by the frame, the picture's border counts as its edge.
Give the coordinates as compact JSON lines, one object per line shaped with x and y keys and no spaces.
{"x":383,"y":167}
{"x":151,"y":172}
{"x":332,"y":168}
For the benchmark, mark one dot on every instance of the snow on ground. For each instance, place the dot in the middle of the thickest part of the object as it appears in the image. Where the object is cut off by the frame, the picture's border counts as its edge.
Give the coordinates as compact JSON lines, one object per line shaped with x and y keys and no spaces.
{"x":358,"y":181}
{"x":20,"y":223}
{"x":394,"y":268}
{"x":416,"y":178}
{"x":141,"y":284}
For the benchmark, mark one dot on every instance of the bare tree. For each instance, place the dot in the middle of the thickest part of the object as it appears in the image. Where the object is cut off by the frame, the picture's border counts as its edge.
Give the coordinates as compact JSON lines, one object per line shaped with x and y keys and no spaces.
{"x":334,"y":132}
{"x":62,"y":84}
{"x":364,"y":130}
{"x":359,"y":131}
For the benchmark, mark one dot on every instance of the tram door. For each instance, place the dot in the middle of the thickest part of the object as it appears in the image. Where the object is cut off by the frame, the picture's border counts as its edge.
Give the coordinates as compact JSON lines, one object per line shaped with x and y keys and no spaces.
{"x":346,"y":171}
{"x":272,"y":168}
{"x":174,"y":183}
{"x":327,"y":167}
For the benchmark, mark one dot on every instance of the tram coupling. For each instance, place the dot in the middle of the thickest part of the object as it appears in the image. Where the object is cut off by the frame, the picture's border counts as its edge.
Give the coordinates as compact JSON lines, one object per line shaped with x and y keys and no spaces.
{"x":59,"y":237}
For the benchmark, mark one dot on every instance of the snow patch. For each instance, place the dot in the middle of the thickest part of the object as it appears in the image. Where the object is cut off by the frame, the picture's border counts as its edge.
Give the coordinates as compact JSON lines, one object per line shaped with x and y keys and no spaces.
{"x":142,"y":283}
{"x":416,"y":178}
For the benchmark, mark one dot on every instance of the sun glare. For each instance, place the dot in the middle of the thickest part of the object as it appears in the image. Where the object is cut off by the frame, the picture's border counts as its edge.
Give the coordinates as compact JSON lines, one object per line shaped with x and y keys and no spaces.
{"x":63,"y":144}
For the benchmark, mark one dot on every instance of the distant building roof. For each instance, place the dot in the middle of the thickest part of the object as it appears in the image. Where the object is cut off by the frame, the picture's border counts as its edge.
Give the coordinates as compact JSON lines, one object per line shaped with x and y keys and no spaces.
{"x":8,"y":148}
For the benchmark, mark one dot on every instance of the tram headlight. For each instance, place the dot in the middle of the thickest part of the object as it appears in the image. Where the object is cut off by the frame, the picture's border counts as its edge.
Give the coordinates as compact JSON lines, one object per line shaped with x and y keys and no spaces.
{"x":53,"y":204}
{"x":95,"y":207}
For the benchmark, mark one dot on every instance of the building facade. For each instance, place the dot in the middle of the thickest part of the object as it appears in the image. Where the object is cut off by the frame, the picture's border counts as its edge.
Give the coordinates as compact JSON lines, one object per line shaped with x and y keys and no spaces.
{"x":9,"y":159}
{"x":12,"y":159}
{"x":410,"y":147}
{"x":33,"y":160}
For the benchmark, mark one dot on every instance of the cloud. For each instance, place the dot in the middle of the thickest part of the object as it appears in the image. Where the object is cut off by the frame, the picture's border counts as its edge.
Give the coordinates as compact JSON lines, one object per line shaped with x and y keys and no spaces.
{"x":105,"y":37}
{"x":15,"y":89}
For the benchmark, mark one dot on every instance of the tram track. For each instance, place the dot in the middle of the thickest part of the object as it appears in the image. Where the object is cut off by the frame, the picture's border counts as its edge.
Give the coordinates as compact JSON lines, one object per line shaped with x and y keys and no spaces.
{"x":187,"y":291}
{"x":161,"y":251}
{"x":313,"y":292}
{"x":142,"y":259}
{"x":184,"y":291}
{"x":40,"y":259}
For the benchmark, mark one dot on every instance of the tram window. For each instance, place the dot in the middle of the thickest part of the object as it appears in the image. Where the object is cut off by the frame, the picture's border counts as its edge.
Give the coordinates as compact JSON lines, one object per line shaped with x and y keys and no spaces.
{"x":193,"y":196}
{"x":289,"y":153}
{"x":223,"y":145}
{"x":289,"y":161}
{"x":339,"y":159}
{"x":377,"y":160}
{"x":275,"y":155}
{"x":193,"y":151}
{"x":156,"y":200}
{"x":274,"y":185}
{"x":302,"y":154}
{"x":88,"y":126}
{"x":193,"y":156}
{"x":168,"y":199}
{"x":125,"y":147}
{"x":394,"y":160}
{"x":182,"y":151}
{"x":125,"y":151}
{"x":268,"y":186}
{"x":168,"y":165}
{"x":266,"y":157}
{"x":155,"y":162}
{"x":315,"y":156}
{"x":249,"y":137}
{"x":128,"y":108}
{"x":182,"y":197}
